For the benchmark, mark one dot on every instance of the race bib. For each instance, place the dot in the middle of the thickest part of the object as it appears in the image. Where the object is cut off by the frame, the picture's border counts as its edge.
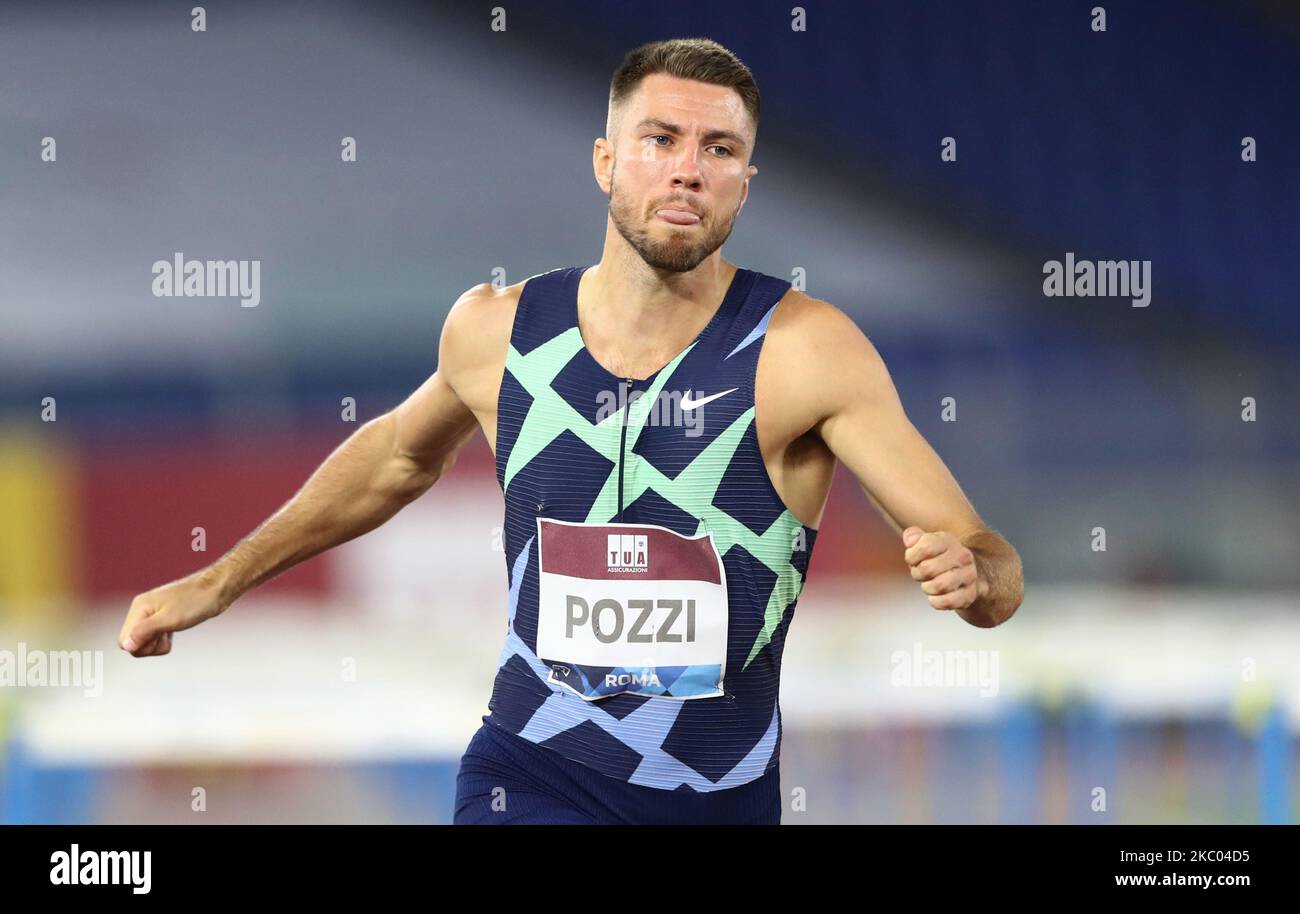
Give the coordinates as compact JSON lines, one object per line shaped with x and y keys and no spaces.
{"x":631,"y":608}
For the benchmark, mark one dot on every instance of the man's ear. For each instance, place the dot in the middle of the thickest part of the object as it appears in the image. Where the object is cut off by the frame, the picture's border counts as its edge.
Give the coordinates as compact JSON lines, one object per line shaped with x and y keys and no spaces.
{"x":602,"y":162}
{"x":744,"y":191}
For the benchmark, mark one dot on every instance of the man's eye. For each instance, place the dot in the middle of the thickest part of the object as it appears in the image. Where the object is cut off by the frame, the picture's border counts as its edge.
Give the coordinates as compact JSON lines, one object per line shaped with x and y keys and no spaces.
{"x":659,"y":136}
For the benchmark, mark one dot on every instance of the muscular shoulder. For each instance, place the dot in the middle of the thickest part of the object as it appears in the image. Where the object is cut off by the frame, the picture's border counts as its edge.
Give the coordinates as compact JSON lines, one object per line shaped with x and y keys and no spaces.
{"x":475,"y":339}
{"x":803,"y":325}
{"x":818,"y":359}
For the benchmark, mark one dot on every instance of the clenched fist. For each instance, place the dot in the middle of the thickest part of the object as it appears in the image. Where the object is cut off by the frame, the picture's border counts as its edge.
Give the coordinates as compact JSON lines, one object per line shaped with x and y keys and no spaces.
{"x":945,"y":568}
{"x":174,"y":607}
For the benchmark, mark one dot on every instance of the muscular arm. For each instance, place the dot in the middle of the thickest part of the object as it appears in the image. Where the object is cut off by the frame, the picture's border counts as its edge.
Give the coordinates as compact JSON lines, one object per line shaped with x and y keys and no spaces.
{"x":383,"y":466}
{"x":961,"y":564}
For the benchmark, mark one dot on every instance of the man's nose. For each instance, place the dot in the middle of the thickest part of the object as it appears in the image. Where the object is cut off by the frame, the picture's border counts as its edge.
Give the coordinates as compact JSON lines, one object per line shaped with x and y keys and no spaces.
{"x":686,"y":168}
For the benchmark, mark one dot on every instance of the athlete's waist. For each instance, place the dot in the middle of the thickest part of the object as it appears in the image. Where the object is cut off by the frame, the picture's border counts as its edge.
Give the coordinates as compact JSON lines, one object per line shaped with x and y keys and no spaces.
{"x":584,"y":759}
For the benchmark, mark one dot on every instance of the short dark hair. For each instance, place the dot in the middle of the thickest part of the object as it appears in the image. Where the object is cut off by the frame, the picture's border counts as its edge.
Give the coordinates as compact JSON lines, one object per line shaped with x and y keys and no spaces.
{"x":700,"y":59}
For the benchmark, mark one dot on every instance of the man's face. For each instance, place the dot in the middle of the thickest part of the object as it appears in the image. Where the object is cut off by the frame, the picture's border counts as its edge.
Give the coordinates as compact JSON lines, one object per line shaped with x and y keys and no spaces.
{"x":678,"y":170}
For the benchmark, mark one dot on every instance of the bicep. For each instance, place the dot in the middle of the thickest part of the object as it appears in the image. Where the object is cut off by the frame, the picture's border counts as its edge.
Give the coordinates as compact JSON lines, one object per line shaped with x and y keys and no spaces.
{"x":431,"y":425}
{"x":868,"y":431}
{"x":435,"y":421}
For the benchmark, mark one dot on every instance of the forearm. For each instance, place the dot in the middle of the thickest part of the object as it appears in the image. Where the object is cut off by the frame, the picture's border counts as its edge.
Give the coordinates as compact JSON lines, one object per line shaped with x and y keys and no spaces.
{"x":1001,"y":584}
{"x":362,"y":484}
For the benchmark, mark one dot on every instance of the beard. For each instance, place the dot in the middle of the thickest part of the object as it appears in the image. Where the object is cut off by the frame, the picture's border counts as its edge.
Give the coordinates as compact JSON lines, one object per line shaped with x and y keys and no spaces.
{"x":683,"y":250}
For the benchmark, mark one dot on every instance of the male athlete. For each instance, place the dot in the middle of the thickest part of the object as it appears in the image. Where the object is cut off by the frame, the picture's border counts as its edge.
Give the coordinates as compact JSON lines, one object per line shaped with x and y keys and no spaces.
{"x":665,"y":426}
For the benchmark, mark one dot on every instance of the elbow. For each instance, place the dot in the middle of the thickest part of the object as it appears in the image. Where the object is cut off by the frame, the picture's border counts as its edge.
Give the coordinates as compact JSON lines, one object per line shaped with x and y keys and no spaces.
{"x":989,"y":615}
{"x":410,"y":479}
{"x":1000,"y":602}
{"x":402,"y":476}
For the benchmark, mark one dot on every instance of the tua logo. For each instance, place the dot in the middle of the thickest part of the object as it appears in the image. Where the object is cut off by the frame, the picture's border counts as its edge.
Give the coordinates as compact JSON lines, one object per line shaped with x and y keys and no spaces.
{"x":628,"y":552}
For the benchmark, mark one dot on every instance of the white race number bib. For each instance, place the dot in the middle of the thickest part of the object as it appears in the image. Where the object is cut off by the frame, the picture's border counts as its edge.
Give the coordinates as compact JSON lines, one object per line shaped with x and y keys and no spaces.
{"x":631,"y":608}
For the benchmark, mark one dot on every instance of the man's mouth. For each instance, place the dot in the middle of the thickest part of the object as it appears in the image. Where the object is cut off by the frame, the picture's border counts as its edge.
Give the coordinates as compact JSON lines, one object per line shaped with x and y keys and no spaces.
{"x":678,"y":216}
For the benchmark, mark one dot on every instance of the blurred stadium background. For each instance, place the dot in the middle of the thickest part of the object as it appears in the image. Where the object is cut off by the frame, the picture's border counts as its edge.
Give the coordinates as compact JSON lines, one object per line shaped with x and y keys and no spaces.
{"x":1163,"y":671}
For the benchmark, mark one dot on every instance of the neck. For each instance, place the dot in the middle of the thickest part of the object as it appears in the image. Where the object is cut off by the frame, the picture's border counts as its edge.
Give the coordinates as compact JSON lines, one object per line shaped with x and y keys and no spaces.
{"x":634,"y":318}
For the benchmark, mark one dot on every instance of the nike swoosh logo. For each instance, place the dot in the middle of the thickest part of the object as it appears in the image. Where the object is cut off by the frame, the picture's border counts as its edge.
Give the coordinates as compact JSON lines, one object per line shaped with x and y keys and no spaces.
{"x":688,"y":403}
